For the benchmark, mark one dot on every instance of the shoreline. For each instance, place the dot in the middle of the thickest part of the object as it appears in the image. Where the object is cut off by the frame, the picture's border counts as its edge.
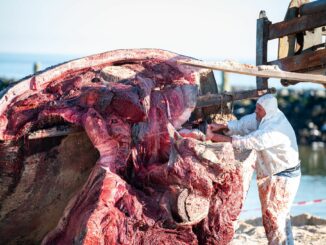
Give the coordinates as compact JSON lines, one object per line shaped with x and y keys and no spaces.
{"x":307,"y":229}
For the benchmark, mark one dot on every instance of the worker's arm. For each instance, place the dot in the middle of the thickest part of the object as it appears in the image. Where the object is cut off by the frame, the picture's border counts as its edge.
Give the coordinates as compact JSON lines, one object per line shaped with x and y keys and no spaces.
{"x":244,"y":126}
{"x":260,"y":140}
{"x":217,"y":128}
{"x":192,"y":133}
{"x":215,"y":137}
{"x":219,"y":138}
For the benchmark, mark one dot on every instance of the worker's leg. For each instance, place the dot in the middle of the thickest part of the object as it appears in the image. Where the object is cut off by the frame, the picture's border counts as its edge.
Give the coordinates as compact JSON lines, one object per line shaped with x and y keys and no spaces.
{"x":288,"y":229}
{"x":276,"y":196}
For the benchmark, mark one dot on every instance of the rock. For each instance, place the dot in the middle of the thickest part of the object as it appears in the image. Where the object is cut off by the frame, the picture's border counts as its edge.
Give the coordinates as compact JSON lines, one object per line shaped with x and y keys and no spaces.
{"x":307,"y":219}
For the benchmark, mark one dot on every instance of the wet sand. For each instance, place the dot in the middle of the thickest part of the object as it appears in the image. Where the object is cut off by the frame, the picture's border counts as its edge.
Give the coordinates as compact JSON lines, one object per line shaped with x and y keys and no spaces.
{"x":307,"y":229}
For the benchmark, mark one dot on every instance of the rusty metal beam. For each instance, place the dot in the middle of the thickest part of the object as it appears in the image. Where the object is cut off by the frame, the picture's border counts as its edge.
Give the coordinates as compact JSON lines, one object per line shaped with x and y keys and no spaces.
{"x":212,"y":103}
{"x":218,"y":99}
{"x":297,"y":25}
{"x":313,"y":7}
{"x":261,"y":47}
{"x":303,"y":62}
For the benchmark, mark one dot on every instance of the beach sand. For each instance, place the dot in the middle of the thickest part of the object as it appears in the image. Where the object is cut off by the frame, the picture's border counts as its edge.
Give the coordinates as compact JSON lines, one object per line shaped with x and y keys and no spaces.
{"x":307,"y":229}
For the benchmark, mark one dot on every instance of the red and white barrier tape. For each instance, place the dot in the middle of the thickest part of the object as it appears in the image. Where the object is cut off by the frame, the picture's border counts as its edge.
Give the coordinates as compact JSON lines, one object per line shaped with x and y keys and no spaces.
{"x":302,"y":203}
{"x":309,"y":202}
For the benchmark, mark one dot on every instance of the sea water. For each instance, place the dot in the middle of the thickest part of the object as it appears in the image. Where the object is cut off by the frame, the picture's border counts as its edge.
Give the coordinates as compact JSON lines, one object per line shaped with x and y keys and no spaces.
{"x":17,"y":66}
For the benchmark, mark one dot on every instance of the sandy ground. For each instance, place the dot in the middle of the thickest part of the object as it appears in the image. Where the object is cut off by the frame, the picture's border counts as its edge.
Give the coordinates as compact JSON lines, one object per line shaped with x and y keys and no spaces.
{"x":307,"y":229}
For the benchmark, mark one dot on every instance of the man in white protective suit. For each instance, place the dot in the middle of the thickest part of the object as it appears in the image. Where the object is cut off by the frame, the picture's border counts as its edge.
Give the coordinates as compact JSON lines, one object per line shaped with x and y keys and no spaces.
{"x":278,"y":166}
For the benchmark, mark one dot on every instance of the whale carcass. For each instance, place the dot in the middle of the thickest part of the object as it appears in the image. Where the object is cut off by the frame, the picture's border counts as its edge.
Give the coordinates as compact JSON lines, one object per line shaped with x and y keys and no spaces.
{"x":90,"y":153}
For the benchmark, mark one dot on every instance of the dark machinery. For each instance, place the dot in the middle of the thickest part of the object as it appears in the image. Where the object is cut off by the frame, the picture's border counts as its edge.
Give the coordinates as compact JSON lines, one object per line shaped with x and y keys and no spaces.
{"x":301,"y":36}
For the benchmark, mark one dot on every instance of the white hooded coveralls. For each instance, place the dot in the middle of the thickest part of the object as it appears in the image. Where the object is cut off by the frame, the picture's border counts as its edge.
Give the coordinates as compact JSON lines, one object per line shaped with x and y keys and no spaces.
{"x":275,"y":142}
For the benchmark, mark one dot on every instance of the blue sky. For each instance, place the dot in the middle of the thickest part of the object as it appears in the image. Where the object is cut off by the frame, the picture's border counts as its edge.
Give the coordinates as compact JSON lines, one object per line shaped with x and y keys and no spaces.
{"x":205,"y":29}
